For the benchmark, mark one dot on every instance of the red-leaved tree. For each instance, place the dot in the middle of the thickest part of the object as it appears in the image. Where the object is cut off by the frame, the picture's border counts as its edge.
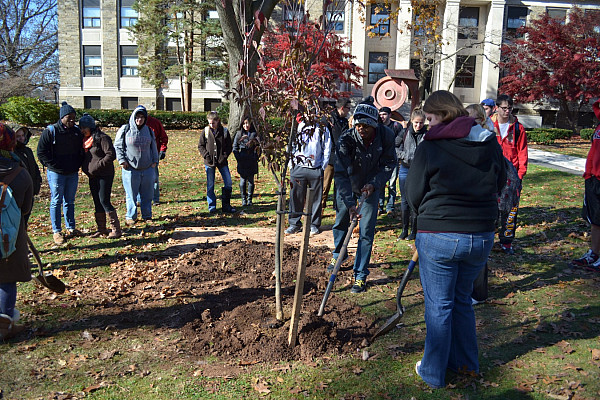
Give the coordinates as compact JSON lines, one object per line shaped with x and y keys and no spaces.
{"x":555,"y":60}
{"x":329,"y":59}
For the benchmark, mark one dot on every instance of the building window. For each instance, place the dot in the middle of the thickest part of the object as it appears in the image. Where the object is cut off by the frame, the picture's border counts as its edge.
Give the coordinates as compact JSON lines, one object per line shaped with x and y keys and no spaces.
{"x":468,"y":23}
{"x":465,"y":71}
{"x":91,"y":13}
{"x":380,"y":19}
{"x":212,"y":14}
{"x":595,"y":15}
{"x":129,"y":16}
{"x":557,"y":13}
{"x":378,"y":63}
{"x":211,"y":104}
{"x":92,"y":102}
{"x":129,"y":61}
{"x":129,"y":103}
{"x":516,"y":18}
{"x":92,"y":61}
{"x":173,"y":104}
{"x":293,"y":15}
{"x":335,"y":19}
{"x":424,"y":20}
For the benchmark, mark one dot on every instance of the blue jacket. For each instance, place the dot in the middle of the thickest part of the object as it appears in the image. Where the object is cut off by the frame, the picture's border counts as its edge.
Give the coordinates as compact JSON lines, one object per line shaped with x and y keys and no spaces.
{"x":357,"y":165}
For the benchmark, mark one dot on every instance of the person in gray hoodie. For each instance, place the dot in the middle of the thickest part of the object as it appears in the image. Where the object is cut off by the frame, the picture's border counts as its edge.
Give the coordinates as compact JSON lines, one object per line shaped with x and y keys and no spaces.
{"x":137,"y":154}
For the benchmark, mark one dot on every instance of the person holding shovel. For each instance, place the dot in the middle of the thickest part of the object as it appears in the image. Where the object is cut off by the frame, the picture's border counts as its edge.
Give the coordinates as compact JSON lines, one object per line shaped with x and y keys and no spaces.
{"x":15,"y":268}
{"x":452,"y":186}
{"x":366,"y":158}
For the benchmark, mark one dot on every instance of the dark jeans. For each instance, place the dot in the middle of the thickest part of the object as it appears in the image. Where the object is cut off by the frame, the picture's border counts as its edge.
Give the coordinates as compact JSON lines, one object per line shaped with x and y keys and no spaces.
{"x":101,"y":187}
{"x":301,"y":178}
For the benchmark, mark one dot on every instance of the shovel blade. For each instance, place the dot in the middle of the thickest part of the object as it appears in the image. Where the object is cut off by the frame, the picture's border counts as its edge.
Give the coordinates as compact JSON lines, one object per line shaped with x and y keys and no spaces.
{"x":51,"y":282}
{"x":388,"y":326}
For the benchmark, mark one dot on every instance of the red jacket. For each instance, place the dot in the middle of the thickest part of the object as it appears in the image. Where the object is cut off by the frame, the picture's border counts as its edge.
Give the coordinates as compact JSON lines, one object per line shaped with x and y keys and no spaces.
{"x":516,"y":152}
{"x":592,"y":164}
{"x":159,"y":133}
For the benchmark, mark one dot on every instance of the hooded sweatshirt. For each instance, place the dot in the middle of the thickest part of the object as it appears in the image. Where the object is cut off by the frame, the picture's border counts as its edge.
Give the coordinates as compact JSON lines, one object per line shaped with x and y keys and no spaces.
{"x":592,"y":164}
{"x":455,"y":178}
{"x":136,"y":146}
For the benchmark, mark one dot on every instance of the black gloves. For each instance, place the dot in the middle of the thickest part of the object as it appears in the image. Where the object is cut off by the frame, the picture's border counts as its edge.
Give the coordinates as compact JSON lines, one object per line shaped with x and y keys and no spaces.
{"x":162,"y":155}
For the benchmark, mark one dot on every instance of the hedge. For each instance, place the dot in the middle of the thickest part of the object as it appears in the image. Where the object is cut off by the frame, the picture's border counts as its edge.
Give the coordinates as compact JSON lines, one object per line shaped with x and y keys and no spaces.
{"x":547,"y":135}
{"x":587,"y":133}
{"x":170,"y":119}
{"x":29,"y":111}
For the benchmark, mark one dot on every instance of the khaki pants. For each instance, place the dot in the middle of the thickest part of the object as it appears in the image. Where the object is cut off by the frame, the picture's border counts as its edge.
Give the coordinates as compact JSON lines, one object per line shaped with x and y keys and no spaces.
{"x":327,"y":179}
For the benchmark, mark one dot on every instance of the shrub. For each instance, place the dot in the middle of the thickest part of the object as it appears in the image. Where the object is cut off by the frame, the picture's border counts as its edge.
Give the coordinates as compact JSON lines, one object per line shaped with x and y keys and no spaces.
{"x":29,"y":111}
{"x":587,"y":133}
{"x":169,"y":119}
{"x":223,"y":111}
{"x":547,"y":135}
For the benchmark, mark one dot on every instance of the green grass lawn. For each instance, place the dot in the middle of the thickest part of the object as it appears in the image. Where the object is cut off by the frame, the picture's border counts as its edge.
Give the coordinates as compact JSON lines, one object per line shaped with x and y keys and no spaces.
{"x":538,"y":333}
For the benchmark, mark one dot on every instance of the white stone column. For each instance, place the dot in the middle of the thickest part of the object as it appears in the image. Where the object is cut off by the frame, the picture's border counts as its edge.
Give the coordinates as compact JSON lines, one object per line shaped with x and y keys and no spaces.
{"x":447,"y":67}
{"x":357,"y":36}
{"x":404,"y":38}
{"x":491,"y":50}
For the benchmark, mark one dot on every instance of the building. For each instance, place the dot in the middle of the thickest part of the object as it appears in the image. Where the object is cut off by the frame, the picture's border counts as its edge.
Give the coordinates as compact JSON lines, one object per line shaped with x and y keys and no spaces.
{"x":98,"y":58}
{"x":98,"y":61}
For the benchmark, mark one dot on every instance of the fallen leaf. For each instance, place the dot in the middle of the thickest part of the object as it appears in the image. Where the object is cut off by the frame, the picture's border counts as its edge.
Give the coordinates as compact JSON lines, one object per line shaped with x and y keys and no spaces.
{"x":595,"y":354}
{"x":357,"y":370}
{"x":107,"y":354}
{"x":262,"y":387}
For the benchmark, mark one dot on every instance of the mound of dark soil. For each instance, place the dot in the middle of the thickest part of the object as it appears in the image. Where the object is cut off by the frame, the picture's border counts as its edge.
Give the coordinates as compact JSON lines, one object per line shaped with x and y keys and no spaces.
{"x":222,"y":299}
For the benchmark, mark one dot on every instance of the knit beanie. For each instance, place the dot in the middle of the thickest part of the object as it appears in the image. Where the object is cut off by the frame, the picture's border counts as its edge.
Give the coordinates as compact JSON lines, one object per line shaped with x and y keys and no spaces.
{"x":66,"y":109}
{"x":7,"y":140}
{"x":87,"y":121}
{"x":366,"y":113}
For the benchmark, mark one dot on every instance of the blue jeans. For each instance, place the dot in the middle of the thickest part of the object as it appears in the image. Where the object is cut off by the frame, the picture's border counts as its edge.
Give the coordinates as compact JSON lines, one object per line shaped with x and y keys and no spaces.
{"x":402,"y":173}
{"x":210,"y":184}
{"x":448,"y":264}
{"x":8,"y":298}
{"x":367,"y":232}
{"x":138,"y":182}
{"x":156,"y":196}
{"x":62,"y":193}
{"x":389,"y":206}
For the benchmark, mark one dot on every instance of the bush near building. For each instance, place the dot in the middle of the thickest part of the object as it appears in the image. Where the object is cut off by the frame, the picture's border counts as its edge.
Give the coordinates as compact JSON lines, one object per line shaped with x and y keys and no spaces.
{"x":29,"y":111}
{"x":587,"y":133}
{"x":547,"y":135}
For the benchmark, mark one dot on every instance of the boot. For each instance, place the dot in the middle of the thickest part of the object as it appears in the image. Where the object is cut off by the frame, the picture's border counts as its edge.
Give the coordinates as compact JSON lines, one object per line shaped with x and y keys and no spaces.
{"x":250,"y":193}
{"x":115,"y":226}
{"x":243,"y":192}
{"x":226,"y":200}
{"x":405,"y":223}
{"x":413,"y":228}
{"x":101,"y":224}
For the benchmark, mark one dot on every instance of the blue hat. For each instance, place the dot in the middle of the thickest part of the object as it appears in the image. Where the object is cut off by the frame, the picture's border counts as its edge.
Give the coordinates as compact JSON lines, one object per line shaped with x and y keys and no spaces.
{"x":488,"y":102}
{"x":87,"y":121}
{"x":66,"y":109}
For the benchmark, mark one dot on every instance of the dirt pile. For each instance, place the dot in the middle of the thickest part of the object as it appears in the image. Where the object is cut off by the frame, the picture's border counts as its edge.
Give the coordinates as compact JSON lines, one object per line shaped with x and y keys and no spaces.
{"x":222,"y":299}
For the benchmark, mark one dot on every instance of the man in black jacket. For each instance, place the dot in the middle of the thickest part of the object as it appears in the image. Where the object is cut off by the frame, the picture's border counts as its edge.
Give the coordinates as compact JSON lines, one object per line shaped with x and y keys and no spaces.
{"x":60,"y":150}
{"x":338,"y":124}
{"x":366,"y":158}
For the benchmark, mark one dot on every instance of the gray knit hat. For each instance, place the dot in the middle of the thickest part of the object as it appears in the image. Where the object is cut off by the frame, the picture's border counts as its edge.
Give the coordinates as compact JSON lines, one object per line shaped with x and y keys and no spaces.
{"x":66,"y":109}
{"x":366,"y":113}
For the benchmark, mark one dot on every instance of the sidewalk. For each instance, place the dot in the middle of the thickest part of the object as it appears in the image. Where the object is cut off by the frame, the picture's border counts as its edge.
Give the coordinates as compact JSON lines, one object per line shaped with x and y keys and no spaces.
{"x":572,"y":165}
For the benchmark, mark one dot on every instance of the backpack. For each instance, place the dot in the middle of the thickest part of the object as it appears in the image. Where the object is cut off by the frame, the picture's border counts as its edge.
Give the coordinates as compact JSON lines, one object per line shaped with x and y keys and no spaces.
{"x":509,"y":195}
{"x":10,"y":216}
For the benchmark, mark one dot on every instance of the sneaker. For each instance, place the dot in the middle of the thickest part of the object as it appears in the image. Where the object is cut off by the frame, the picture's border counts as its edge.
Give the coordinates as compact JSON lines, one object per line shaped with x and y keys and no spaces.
{"x":58,"y":238}
{"x":71,"y":233}
{"x":507,"y":249}
{"x":474,"y":302}
{"x":293,"y":229}
{"x":360,"y":285}
{"x":212,"y":210}
{"x":331,"y":265}
{"x":129,"y":222}
{"x":417,"y":365}
{"x":314,"y":230}
{"x":589,"y":259}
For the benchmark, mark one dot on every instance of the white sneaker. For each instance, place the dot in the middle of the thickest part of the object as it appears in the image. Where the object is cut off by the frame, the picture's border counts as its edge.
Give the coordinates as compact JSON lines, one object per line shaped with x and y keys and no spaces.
{"x":473,"y":301}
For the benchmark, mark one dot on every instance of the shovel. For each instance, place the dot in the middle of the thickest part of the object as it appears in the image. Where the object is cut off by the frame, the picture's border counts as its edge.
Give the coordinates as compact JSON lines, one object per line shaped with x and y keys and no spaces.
{"x":341,"y":256}
{"x":45,"y":278}
{"x":394,"y":319}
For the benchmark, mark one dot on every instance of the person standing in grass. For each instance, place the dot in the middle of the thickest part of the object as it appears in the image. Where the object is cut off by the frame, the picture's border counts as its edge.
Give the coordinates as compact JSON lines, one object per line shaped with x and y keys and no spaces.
{"x":513,"y":139}
{"x":215,"y":146}
{"x":16,"y":267}
{"x":25,"y":154}
{"x":98,"y":166}
{"x":452,"y":186}
{"x":137,"y":154}
{"x":60,"y":150}
{"x":591,"y":200}
{"x":365,"y":160}
{"x":338,"y":124}
{"x":385,"y":113}
{"x":246,"y":151}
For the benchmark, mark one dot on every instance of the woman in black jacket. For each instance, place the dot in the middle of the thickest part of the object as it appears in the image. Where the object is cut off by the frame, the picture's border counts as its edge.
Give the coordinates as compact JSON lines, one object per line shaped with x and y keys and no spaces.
{"x":25,"y":154}
{"x":246,"y":152}
{"x":98,"y":166}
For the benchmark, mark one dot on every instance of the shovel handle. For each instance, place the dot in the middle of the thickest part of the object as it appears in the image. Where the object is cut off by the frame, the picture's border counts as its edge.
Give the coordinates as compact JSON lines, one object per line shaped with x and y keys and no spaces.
{"x":409,"y":270}
{"x":36,"y":255}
